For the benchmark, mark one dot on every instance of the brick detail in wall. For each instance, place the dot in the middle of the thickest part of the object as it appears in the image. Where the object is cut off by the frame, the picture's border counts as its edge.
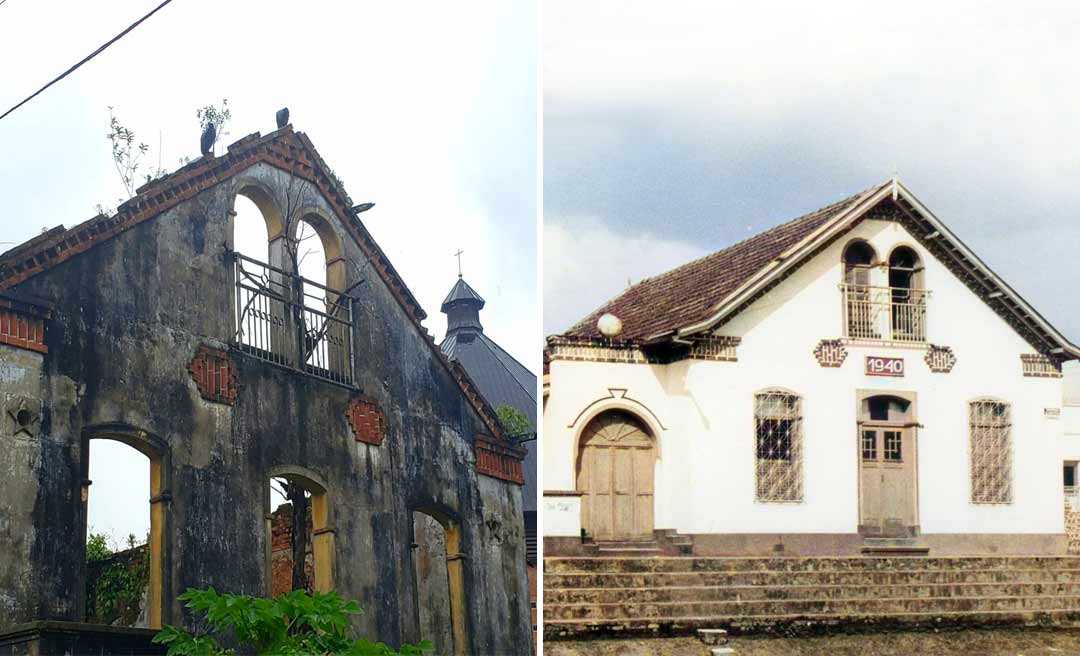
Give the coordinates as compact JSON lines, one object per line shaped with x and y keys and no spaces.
{"x":1037,"y":365}
{"x":499,"y":460}
{"x":214,"y":373}
{"x":830,"y":353}
{"x":22,"y":330}
{"x":366,"y":420}
{"x":940,"y":359}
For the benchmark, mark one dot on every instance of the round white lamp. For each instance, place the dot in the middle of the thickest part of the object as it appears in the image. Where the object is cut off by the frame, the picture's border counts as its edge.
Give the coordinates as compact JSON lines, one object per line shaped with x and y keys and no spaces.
{"x":609,"y":325}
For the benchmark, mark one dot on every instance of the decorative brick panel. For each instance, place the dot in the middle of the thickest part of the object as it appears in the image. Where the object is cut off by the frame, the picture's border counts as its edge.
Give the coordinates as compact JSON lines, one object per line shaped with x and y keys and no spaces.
{"x":22,"y":330}
{"x":715,"y":348}
{"x":830,"y":353}
{"x":366,"y":420}
{"x":214,"y":373}
{"x":1036,"y":365}
{"x":940,"y":359}
{"x":499,"y":460}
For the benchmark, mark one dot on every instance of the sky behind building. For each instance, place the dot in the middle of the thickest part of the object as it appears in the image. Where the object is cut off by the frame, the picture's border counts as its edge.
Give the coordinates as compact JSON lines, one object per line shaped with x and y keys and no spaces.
{"x":672,"y":130}
{"x":427,"y":110}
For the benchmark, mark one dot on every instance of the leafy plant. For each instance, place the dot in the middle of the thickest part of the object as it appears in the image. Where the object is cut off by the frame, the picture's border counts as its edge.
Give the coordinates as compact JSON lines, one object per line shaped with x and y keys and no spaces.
{"x":216,"y":116}
{"x":114,"y":595}
{"x":294,"y":623}
{"x":514,"y":422}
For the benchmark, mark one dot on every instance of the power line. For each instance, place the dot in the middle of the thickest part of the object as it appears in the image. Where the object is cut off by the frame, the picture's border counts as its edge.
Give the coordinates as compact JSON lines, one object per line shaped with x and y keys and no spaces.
{"x":84,"y":59}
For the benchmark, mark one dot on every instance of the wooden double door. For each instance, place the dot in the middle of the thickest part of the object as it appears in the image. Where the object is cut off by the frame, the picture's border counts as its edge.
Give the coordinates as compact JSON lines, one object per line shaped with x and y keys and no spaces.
{"x":616,"y":461}
{"x":887,"y":486}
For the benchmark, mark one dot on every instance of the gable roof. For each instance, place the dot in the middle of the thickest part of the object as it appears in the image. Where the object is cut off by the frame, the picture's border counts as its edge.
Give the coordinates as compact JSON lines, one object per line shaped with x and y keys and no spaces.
{"x":290,"y":151}
{"x":703,"y":294}
{"x":685,"y":294}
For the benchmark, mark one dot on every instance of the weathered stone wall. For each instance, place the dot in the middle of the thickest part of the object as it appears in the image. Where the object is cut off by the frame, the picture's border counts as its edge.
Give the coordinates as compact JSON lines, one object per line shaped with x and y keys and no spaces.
{"x":129,"y":317}
{"x":1072,"y":530}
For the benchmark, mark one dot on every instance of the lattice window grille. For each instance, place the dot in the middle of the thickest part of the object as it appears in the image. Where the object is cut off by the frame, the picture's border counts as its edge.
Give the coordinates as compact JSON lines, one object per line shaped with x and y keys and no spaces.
{"x":991,"y":452}
{"x":778,"y":472}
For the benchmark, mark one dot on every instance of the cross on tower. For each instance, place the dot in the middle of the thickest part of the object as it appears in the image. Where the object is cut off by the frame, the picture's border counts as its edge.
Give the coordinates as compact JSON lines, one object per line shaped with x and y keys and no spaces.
{"x":458,"y":255}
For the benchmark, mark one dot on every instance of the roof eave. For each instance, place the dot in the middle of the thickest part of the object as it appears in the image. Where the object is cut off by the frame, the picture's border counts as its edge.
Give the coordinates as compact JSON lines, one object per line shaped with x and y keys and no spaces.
{"x":781,"y":263}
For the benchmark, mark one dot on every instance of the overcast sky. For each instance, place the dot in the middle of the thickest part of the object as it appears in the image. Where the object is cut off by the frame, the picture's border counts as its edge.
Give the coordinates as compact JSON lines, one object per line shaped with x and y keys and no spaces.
{"x":674,"y":129}
{"x":426,"y":109}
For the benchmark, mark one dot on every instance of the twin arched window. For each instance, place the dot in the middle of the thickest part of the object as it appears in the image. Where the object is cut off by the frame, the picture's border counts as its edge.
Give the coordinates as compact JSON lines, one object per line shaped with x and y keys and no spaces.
{"x":889,"y":306}
{"x":290,"y":278}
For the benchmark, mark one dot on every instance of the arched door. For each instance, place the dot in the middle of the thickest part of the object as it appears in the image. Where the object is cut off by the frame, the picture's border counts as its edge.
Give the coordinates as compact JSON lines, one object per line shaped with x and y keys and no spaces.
{"x":615,"y":476}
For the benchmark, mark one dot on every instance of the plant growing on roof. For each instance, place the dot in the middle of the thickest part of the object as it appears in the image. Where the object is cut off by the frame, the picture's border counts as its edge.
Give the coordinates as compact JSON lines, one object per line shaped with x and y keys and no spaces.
{"x":514,"y":422}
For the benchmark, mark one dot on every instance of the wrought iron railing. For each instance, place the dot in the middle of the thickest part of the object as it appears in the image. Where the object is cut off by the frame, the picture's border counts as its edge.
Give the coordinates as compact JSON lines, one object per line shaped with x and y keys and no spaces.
{"x":287,"y":319}
{"x":894,"y":314}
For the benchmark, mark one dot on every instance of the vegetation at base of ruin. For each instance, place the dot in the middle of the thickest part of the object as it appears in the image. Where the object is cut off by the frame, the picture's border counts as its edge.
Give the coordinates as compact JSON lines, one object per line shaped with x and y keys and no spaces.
{"x":291,"y":624}
{"x":514,"y":422}
{"x":115,"y":596}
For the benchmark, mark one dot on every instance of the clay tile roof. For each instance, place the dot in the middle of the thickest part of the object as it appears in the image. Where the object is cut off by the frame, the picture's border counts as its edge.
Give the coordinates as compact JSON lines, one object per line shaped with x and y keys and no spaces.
{"x":688,"y":294}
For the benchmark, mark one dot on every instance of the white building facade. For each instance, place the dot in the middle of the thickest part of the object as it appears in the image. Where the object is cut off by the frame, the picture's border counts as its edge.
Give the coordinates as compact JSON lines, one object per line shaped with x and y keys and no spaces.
{"x":853,"y":375}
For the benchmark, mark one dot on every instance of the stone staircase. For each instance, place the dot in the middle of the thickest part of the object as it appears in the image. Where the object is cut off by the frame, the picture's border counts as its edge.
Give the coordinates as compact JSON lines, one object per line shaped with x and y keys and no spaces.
{"x":665,"y":542}
{"x":588,"y":596}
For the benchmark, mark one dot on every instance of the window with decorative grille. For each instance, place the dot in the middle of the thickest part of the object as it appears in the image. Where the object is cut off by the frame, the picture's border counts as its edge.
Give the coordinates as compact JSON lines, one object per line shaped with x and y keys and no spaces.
{"x":991,"y":452}
{"x":778,"y":468}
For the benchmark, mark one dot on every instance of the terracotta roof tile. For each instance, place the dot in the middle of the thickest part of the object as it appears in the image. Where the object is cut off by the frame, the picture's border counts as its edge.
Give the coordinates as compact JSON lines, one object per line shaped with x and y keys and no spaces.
{"x":689,"y":293}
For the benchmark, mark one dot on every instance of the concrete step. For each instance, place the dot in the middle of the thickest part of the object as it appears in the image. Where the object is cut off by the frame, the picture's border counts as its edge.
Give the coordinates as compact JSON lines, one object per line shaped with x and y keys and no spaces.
{"x":830,"y":607}
{"x":804,"y":592}
{"x":798,"y":564}
{"x":805,"y":624}
{"x":577,"y":580}
{"x":894,"y":547}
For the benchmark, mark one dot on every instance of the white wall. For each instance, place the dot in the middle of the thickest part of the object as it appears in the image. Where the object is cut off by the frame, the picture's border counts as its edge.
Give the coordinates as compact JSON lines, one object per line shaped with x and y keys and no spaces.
{"x":705,"y":469}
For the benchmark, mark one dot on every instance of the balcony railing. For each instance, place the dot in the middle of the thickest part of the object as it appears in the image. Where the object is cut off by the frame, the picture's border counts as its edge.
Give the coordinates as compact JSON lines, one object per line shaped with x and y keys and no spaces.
{"x":894,"y":314}
{"x":287,"y":319}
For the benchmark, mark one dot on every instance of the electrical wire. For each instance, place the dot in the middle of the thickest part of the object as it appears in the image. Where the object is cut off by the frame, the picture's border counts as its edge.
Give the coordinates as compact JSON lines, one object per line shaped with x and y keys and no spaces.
{"x":84,"y":59}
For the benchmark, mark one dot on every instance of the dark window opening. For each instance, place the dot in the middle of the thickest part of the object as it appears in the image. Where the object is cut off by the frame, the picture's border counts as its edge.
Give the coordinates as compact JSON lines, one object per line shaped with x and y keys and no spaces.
{"x":774,"y":439}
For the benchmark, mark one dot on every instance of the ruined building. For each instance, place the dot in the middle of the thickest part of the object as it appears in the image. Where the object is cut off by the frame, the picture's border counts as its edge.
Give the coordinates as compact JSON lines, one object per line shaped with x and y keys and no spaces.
{"x":147,"y":328}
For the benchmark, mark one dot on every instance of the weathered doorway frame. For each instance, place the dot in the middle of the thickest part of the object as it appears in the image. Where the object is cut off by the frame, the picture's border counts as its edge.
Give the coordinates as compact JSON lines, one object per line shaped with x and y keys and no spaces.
{"x":322,"y":532}
{"x":911,"y":426}
{"x":157,"y":452}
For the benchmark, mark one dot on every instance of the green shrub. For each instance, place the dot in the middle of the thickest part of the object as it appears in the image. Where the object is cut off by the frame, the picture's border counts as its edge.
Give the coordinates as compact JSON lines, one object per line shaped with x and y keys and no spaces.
{"x":294,"y":623}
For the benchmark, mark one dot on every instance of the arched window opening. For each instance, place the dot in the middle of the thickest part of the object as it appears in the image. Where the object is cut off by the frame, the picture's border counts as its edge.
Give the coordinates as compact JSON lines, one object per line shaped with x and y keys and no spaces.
{"x":300,"y":542}
{"x":861,"y":311}
{"x":440,"y":581}
{"x":615,"y":475}
{"x":290,"y":302}
{"x":250,"y":235}
{"x":990,"y":425}
{"x":261,"y":286}
{"x":326,"y":339}
{"x":908,"y":298}
{"x":778,"y":472}
{"x":124,"y":534}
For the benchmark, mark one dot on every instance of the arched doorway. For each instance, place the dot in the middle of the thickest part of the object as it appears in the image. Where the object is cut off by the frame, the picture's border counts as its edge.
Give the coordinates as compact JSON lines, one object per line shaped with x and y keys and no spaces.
{"x":316,"y":515}
{"x":888,"y":489}
{"x":152,"y":612}
{"x":616,"y":459}
{"x":440,"y":581}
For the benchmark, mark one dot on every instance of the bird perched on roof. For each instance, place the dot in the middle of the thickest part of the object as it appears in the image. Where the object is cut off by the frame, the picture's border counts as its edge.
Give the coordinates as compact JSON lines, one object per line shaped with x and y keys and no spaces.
{"x":209,"y":136}
{"x":282,"y":117}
